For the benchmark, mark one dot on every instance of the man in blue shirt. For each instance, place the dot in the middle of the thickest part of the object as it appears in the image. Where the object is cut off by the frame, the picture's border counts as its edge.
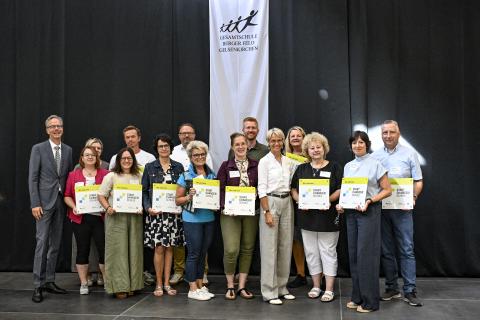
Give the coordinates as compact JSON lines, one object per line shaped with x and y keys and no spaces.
{"x":397,"y":225}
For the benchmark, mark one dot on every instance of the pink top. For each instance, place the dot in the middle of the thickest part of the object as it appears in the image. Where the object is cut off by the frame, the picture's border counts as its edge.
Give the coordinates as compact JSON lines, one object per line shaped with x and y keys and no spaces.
{"x":77,"y":176}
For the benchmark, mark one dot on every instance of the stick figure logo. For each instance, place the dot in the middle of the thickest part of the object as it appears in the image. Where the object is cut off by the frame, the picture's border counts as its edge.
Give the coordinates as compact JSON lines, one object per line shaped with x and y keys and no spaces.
{"x":240,"y":25}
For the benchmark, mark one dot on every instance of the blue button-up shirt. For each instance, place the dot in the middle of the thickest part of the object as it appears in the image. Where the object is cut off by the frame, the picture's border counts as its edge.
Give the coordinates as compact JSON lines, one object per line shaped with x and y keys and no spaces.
{"x":401,"y":162}
{"x":368,"y":167}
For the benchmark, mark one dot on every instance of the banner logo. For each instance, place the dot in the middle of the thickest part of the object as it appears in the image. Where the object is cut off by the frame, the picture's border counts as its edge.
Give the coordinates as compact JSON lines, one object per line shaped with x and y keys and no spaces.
{"x":240,"y":25}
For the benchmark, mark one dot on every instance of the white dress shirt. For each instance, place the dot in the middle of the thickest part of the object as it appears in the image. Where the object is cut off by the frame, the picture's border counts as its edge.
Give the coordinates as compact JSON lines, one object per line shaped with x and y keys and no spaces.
{"x":274,"y":177}
{"x":179,"y":154}
{"x":53,"y":145}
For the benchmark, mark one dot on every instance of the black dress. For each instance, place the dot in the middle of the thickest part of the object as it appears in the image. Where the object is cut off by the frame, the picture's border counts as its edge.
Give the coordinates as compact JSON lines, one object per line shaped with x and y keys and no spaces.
{"x":319,"y":220}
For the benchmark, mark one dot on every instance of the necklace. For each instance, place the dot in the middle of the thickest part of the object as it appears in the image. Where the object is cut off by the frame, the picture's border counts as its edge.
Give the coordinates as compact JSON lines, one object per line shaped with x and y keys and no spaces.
{"x":316,"y":172}
{"x":89,"y":173}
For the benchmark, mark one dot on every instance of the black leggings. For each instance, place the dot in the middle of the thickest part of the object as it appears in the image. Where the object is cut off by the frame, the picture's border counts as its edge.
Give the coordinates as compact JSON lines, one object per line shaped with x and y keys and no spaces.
{"x":91,"y":226}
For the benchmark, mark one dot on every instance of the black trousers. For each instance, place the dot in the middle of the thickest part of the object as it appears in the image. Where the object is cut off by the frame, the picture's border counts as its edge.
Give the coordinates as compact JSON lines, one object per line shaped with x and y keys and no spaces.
{"x":91,"y":226}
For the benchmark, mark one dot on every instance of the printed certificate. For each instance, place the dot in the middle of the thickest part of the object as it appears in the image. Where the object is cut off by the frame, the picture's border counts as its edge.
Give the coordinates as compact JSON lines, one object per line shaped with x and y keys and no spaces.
{"x":402,"y":194}
{"x":86,"y":199}
{"x":127,"y":198}
{"x":207,"y":194}
{"x":353,"y":192}
{"x":240,"y":201}
{"x":163,"y":198}
{"x":314,"y":194}
{"x":296,"y":157}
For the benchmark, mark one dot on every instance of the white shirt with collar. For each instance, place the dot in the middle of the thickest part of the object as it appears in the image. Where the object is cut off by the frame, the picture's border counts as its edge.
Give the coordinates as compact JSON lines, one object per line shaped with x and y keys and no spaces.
{"x":274,"y":177}
{"x":143,"y":157}
{"x":179,"y":154}
{"x":53,"y":145}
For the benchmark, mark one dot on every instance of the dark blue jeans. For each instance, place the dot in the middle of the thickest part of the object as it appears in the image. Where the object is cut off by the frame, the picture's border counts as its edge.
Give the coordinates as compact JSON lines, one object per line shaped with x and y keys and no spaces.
{"x":199,"y":237}
{"x":364,"y":237}
{"x":397,"y":243}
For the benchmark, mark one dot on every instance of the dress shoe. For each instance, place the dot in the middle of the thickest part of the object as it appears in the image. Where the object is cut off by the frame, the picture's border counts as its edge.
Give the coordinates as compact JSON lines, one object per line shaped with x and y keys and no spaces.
{"x":51,"y":287}
{"x":37,"y":295}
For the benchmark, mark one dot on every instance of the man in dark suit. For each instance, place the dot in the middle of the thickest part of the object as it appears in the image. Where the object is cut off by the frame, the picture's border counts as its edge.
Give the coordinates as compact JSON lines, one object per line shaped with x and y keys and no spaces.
{"x":50,"y":163}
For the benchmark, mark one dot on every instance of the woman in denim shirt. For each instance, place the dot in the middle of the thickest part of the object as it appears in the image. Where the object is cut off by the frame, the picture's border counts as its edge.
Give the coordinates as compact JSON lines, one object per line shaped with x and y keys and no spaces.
{"x":163,"y":230}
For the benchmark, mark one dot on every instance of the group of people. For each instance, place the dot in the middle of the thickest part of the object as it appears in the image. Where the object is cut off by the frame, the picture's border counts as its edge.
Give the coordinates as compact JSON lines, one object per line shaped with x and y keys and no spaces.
{"x":374,"y":234}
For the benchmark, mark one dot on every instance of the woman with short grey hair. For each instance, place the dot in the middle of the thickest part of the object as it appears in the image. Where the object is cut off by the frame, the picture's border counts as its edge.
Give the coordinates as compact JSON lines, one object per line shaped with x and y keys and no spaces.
{"x":276,"y":220}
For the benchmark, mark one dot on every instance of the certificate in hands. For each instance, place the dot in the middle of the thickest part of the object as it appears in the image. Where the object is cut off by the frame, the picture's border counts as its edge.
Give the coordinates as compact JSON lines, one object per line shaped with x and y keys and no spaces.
{"x":353,"y":192}
{"x":314,"y":194}
{"x":239,"y":201}
{"x":163,"y":198}
{"x":207,"y":194}
{"x":86,"y":199}
{"x":402,"y":194}
{"x":127,"y":198}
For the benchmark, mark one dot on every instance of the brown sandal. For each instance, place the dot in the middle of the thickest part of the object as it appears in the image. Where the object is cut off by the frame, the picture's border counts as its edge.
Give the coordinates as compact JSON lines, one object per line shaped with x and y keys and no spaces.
{"x":121,"y":295}
{"x":245,"y":294}
{"x":230,"y":294}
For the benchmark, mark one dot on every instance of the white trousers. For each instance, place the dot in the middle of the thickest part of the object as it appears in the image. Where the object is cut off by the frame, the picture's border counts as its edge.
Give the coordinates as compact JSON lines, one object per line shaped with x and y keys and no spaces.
{"x":321,"y":252}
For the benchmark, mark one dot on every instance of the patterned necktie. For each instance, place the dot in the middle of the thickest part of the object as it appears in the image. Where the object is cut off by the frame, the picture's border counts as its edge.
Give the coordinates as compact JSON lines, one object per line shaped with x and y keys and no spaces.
{"x":57,"y":158}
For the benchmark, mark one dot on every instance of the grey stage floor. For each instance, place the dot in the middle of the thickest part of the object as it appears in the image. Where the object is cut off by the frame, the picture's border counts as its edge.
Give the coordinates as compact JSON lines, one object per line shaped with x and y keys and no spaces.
{"x":444,"y":298}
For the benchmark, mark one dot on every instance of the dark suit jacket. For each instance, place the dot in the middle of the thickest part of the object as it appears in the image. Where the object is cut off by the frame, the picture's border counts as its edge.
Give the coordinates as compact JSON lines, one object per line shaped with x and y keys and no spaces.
{"x":43,"y":179}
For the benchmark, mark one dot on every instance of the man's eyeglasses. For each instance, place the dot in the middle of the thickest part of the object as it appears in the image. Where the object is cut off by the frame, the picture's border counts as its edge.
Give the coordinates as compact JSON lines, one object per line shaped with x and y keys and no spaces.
{"x":55,"y":126}
{"x":186,"y":133}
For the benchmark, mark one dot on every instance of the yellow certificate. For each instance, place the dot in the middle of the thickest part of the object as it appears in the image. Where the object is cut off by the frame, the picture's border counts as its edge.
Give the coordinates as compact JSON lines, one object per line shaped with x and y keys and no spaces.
{"x":163,"y":198}
{"x":402,"y":194}
{"x":353,"y":192}
{"x":239,"y":201}
{"x":127,"y":198}
{"x":86,"y":199}
{"x":207,"y":194}
{"x":296,"y":157}
{"x":314,"y":194}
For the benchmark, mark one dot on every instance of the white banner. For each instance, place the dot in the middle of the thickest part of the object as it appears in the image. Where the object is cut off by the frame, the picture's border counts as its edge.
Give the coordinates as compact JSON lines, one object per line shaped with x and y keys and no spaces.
{"x":238,"y":70}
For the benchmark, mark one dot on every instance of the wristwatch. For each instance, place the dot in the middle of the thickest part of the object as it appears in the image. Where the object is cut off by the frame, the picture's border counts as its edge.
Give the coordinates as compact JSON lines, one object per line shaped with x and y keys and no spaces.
{"x":264,"y":212}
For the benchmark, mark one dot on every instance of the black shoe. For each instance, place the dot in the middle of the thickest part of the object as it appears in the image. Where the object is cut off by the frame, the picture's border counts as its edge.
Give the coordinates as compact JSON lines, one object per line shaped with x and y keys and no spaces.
{"x":37,"y":295}
{"x":297,"y":282}
{"x":51,"y":287}
{"x":390,"y":294}
{"x":411,"y":299}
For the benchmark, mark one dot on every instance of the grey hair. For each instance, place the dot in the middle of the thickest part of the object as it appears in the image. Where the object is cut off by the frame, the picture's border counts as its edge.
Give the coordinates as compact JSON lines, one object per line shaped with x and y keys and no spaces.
{"x":390,"y":122}
{"x":277,"y":132}
{"x":315,"y":137}
{"x":53,"y":116}
{"x":196,"y":144}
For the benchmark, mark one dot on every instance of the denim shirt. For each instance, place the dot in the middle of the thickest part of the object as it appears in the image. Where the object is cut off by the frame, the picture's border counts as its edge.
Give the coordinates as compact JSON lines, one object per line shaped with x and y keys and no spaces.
{"x":154,"y":173}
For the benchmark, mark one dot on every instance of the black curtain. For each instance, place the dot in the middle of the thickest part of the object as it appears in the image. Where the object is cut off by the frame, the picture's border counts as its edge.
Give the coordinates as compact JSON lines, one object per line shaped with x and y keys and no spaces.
{"x":105,"y":64}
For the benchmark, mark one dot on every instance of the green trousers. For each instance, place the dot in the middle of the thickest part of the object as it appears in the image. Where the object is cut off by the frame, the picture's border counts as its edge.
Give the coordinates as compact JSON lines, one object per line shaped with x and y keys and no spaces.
{"x":239,"y":234}
{"x":123,"y":252}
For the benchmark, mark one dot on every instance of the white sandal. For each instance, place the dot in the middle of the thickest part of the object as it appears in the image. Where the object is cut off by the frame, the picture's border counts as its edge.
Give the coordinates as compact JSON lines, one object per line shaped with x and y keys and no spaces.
{"x":314,"y":293}
{"x":328,"y":296}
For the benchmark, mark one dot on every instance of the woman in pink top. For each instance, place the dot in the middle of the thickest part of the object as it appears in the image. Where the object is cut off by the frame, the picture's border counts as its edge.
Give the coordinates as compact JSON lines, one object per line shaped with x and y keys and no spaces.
{"x":89,"y":224}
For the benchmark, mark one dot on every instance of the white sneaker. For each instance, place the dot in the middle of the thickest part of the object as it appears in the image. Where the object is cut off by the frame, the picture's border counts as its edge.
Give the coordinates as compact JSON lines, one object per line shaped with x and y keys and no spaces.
{"x":176,"y":278}
{"x":89,"y":282}
{"x":275,"y":301}
{"x":100,"y":281}
{"x":206,"y":292}
{"x":289,"y":296}
{"x":198,"y":295}
{"x":205,"y":279}
{"x":84,"y":289}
